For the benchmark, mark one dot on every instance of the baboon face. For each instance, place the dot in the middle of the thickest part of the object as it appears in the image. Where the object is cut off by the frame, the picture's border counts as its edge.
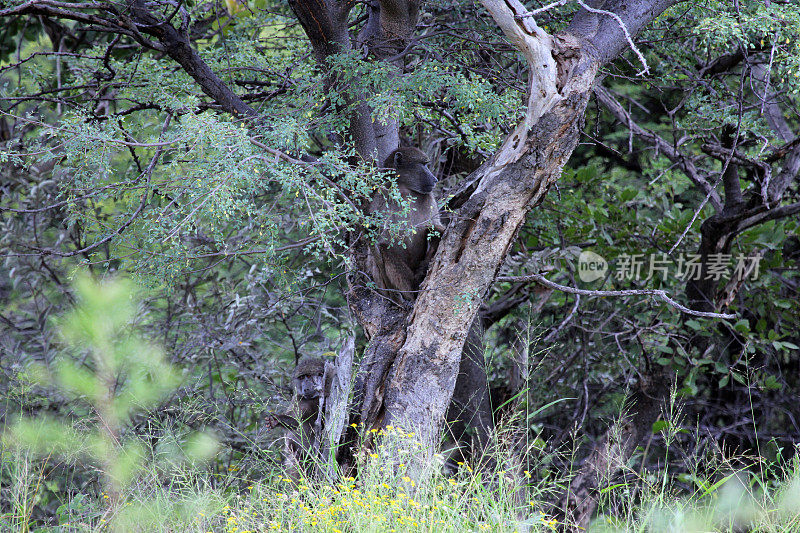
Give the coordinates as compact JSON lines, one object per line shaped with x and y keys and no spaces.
{"x":308,"y":378}
{"x":411,"y":167}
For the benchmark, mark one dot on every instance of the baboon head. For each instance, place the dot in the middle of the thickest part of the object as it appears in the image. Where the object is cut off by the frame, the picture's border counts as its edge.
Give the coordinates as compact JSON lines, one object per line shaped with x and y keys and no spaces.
{"x":308,"y":378}
{"x":410,"y":165}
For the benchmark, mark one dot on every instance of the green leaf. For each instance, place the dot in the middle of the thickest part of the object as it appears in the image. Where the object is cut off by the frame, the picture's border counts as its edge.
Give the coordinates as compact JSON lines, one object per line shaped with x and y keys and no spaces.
{"x":628,"y":194}
{"x":660,"y":425}
{"x":742,"y":326}
{"x":694,"y":324}
{"x":771,"y":383}
{"x":78,"y":381}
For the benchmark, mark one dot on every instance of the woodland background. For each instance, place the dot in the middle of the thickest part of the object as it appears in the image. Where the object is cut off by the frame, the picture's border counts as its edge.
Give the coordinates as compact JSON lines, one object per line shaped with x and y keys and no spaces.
{"x":115,"y":162}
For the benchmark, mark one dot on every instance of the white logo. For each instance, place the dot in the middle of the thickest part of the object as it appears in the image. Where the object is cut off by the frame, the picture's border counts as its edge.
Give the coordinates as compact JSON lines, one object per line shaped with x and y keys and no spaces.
{"x":591,"y":266}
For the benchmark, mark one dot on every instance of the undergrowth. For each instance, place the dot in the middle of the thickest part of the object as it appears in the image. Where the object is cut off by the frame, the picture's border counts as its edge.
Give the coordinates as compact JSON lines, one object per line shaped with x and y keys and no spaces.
{"x":386,"y":499}
{"x":107,"y":479}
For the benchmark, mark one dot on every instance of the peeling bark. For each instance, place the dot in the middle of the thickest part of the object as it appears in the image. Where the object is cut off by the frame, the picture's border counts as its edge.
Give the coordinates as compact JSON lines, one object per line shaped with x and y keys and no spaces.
{"x":475,"y":244}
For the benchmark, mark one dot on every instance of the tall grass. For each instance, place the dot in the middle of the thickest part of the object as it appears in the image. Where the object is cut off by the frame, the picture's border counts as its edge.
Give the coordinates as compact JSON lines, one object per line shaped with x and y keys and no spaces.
{"x":385,"y":499}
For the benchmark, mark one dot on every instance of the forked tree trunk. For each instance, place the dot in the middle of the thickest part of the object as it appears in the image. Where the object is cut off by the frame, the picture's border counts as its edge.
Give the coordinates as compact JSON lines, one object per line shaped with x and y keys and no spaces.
{"x":408,"y":372}
{"x":471,"y":252}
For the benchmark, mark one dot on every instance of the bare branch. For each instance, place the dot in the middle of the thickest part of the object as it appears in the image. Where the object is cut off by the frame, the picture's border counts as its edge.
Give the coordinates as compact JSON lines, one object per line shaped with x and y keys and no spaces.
{"x":767,"y":215}
{"x":605,"y":35}
{"x":178,"y":47}
{"x":633,"y":292}
{"x":548,"y":7}
{"x":672,"y":153}
{"x":624,"y":30}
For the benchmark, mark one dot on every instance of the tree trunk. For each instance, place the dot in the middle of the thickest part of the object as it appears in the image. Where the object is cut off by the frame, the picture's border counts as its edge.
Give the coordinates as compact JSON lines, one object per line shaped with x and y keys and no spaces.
{"x":470,"y":254}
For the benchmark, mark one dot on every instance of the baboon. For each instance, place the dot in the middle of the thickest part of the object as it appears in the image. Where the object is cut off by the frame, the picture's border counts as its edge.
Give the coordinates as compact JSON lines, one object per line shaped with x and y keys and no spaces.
{"x":304,"y":447}
{"x":400,"y":265}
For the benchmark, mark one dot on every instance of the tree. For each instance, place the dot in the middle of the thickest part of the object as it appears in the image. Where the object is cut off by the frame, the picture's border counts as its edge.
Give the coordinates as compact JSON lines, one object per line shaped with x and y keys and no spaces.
{"x":501,"y":192}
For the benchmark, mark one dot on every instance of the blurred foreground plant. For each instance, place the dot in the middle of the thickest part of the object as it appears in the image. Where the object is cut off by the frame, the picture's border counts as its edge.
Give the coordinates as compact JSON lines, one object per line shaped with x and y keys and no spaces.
{"x":125,"y":375}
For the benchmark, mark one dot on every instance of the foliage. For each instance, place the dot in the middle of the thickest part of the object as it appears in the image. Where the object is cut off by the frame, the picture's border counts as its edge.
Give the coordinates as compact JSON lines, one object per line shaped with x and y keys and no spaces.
{"x":126,"y":375}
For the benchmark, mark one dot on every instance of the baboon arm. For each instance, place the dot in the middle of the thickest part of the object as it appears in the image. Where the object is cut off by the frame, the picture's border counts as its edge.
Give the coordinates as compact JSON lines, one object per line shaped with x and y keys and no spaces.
{"x":399,"y":275}
{"x":390,"y":271}
{"x":273,"y":420}
{"x":433,"y":245}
